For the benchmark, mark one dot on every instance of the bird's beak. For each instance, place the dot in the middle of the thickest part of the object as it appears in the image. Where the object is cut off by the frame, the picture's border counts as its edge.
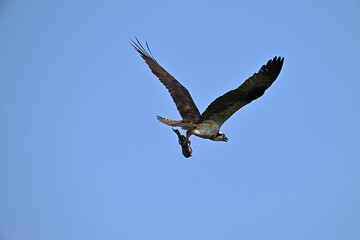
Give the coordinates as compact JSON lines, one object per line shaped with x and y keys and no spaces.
{"x":225,"y":139}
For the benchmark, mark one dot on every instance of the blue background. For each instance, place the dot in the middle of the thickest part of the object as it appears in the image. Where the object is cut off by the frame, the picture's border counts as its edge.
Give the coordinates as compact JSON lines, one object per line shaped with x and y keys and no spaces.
{"x":84,"y":157}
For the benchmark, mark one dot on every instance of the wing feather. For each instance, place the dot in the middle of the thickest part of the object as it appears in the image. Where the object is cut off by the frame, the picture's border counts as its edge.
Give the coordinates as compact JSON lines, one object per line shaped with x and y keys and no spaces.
{"x":225,"y":106}
{"x":180,"y":95}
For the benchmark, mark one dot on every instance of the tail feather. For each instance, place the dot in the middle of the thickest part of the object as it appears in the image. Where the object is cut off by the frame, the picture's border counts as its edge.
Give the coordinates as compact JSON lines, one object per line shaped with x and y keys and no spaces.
{"x":173,"y":123}
{"x":176,"y":123}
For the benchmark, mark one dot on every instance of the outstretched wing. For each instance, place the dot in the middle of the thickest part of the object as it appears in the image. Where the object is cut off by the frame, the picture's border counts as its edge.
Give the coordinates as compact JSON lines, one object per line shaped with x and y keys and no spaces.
{"x":181,"y":96}
{"x":223,"y":107}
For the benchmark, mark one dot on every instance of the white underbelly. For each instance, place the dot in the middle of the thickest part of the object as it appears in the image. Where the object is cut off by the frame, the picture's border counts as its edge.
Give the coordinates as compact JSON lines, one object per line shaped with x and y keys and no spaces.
{"x":207,"y":129}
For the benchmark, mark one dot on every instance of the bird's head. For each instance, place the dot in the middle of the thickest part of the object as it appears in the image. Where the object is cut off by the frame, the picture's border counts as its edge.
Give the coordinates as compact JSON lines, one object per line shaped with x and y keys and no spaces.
{"x":220,"y":137}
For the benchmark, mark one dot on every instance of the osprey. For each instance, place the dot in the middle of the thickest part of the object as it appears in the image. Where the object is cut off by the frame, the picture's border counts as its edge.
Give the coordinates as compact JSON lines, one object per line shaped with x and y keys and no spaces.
{"x":207,"y":125}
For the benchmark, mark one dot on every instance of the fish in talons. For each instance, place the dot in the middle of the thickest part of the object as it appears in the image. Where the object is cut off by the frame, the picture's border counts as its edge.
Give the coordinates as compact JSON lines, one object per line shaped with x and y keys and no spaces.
{"x":184,"y":143}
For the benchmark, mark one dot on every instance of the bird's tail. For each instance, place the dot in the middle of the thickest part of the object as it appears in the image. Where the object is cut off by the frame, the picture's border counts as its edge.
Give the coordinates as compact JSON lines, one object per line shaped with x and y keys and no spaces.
{"x":176,"y":123}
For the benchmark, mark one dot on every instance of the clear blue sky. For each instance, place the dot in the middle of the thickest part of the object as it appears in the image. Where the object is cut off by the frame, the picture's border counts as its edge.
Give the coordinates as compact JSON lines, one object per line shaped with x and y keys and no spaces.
{"x":82,"y":155}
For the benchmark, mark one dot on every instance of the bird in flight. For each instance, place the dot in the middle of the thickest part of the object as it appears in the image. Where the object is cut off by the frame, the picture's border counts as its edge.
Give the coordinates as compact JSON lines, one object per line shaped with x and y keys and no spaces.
{"x":207,"y":125}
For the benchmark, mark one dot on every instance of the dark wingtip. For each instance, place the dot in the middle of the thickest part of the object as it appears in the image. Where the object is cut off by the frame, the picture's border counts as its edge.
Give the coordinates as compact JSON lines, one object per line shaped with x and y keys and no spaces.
{"x":141,"y":49}
{"x":276,"y":60}
{"x":273,"y":67}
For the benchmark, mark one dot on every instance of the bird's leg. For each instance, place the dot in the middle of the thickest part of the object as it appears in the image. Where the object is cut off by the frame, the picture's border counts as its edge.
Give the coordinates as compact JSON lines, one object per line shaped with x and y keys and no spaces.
{"x":188,"y":134}
{"x":182,"y":139}
{"x":184,"y":143}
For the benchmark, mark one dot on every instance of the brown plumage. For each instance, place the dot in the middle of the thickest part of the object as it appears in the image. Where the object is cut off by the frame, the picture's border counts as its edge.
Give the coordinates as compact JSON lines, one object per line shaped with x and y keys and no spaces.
{"x":207,"y":125}
{"x":177,"y":123}
{"x":181,"y":96}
